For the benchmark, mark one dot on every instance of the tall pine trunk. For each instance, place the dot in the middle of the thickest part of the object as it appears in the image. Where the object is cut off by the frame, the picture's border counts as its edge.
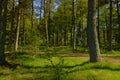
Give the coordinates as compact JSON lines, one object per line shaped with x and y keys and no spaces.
{"x":23,"y":30}
{"x":73,"y":26}
{"x":40,"y":12}
{"x":18,"y":27}
{"x":3,"y":23}
{"x":65,"y":27}
{"x":98,"y":27}
{"x":92,"y":34}
{"x":110,"y":29}
{"x":12,"y":29}
{"x":32,"y":17}
{"x":49,"y":23}
{"x":46,"y":23}
{"x":118,"y":15}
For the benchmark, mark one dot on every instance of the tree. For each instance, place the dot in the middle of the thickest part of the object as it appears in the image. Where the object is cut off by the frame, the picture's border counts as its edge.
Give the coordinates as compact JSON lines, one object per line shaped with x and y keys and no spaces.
{"x":32,"y":16}
{"x":98,"y":26}
{"x":118,"y":15}
{"x":24,"y":9}
{"x":3,"y":23}
{"x":110,"y":29}
{"x":49,"y":21}
{"x":92,"y":34}
{"x":40,"y":19}
{"x":12,"y":29}
{"x":18,"y":26}
{"x":65,"y":27}
{"x":73,"y":26}
{"x":46,"y":23}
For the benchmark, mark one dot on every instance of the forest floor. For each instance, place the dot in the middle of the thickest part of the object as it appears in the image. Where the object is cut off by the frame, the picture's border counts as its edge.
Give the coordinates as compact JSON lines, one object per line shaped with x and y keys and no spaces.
{"x":71,"y":66}
{"x":105,"y":58}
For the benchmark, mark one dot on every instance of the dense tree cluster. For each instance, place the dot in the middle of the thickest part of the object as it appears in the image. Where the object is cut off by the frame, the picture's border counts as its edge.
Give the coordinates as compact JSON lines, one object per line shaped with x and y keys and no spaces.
{"x":74,"y":23}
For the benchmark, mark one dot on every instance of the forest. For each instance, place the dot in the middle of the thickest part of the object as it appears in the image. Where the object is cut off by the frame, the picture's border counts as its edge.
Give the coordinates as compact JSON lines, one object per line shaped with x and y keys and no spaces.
{"x":59,"y":39}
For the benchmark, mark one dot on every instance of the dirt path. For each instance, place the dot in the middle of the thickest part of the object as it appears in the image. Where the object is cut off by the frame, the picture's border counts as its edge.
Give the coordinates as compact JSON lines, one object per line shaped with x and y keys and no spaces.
{"x":105,"y":58}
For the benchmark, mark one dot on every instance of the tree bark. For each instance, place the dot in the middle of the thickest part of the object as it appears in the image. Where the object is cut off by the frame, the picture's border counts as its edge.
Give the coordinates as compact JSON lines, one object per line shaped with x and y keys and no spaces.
{"x":98,"y":27}
{"x":92,"y":34}
{"x":41,"y":4}
{"x":32,"y":17}
{"x":23,"y":30}
{"x":12,"y":29}
{"x":18,"y":27}
{"x":49,"y":23}
{"x":110,"y":29}
{"x":118,"y":14}
{"x":3,"y":23}
{"x":46,"y":23}
{"x":73,"y":26}
{"x":65,"y":27}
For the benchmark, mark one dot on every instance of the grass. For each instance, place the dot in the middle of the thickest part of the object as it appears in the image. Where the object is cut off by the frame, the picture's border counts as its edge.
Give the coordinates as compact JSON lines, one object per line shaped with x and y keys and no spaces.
{"x":67,"y":49}
{"x":64,"y":49}
{"x":52,"y":67}
{"x":112,"y":53}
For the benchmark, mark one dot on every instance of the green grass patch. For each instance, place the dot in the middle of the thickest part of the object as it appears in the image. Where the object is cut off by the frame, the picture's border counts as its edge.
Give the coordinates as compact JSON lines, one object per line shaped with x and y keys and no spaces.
{"x":64,"y":49}
{"x":110,"y":53}
{"x":54,"y":67}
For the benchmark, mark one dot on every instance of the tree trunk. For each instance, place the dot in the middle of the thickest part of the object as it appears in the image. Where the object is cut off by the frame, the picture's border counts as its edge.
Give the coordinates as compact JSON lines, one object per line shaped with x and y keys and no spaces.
{"x":118,"y":14}
{"x":73,"y":26}
{"x":54,"y":37}
{"x":92,"y":34}
{"x":65,"y":27}
{"x":106,"y":30}
{"x":12,"y":29}
{"x":23,"y":30}
{"x":46,"y":23}
{"x":18,"y":27}
{"x":49,"y":22}
{"x":32,"y":17}
{"x":40,"y":12}
{"x":79,"y":34}
{"x":110,"y":29}
{"x":98,"y":27}
{"x":3,"y":23}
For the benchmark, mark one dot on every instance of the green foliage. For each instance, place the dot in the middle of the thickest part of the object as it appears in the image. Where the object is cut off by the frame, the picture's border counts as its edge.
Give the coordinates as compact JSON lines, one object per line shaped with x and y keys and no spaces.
{"x":57,"y":67}
{"x":46,"y":66}
{"x":40,"y":62}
